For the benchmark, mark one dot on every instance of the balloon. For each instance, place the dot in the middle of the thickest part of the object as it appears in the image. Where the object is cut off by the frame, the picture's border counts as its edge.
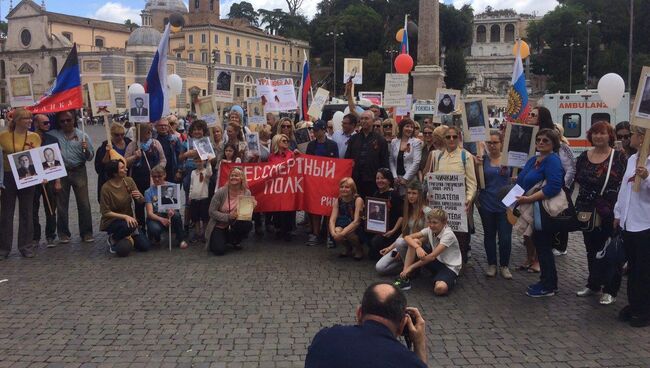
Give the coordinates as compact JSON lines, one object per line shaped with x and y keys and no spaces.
{"x":399,"y":35}
{"x":525,"y":50}
{"x":176,"y":20}
{"x":358,"y":109}
{"x":175,"y":84}
{"x":611,"y":88}
{"x":136,"y":88}
{"x":365,"y":102}
{"x":412,"y":29}
{"x":175,"y":29}
{"x":403,"y":63}
{"x":337,"y":120}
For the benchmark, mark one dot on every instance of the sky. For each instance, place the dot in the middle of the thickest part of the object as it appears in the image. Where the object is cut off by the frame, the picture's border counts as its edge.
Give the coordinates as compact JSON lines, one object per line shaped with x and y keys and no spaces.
{"x":121,"y":10}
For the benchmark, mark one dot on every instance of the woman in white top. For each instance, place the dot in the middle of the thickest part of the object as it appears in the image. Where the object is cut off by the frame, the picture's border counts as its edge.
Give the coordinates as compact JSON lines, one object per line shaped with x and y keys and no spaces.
{"x":405,"y":155}
{"x":631,"y":214}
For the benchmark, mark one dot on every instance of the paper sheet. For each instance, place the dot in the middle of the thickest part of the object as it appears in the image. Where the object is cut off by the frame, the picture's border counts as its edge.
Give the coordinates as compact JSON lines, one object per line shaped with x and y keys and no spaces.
{"x":512,"y":195}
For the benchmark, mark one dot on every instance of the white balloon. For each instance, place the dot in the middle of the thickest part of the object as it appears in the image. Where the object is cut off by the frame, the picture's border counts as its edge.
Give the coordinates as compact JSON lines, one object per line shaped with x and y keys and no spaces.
{"x":365,"y":102}
{"x":611,"y":88}
{"x":175,"y":84}
{"x":346,"y":111}
{"x":136,"y":88}
{"x":358,"y":109}
{"x":337,"y":120}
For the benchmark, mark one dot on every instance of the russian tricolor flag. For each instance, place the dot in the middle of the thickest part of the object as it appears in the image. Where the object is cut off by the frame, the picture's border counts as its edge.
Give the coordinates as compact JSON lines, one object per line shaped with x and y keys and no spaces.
{"x":156,"y":82}
{"x":405,"y":37}
{"x":66,"y":93}
{"x":305,"y":88}
{"x":518,"y":107}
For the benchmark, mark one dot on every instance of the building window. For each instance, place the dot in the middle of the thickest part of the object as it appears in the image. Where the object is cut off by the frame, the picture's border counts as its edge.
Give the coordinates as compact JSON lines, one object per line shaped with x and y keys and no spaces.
{"x":204,"y":38}
{"x":211,"y":5}
{"x":238,"y":91}
{"x":99,"y":41}
{"x":3,"y":72}
{"x":238,"y":59}
{"x":258,"y":47}
{"x":249,"y":61}
{"x":283,"y":66}
{"x":238,"y":44}
{"x":275,"y":49}
{"x":248,"y":45}
{"x":291,"y":66}
{"x":67,"y":35}
{"x":3,"y":95}
{"x":53,"y":67}
{"x":572,"y":125}
{"x":178,"y":55}
{"x":258,"y":62}
{"x":495,"y":33}
{"x":204,"y":57}
{"x":266,"y":48}
{"x":190,"y":39}
{"x":196,"y":4}
{"x":228,"y":58}
{"x":510,"y":33}
{"x":227,"y":41}
{"x":129,"y":67}
{"x":275,"y":65}
{"x":216,"y":38}
{"x":190,"y":56}
{"x":297,"y":53}
{"x":481,"y":34}
{"x":267,"y":63}
{"x":25,"y":37}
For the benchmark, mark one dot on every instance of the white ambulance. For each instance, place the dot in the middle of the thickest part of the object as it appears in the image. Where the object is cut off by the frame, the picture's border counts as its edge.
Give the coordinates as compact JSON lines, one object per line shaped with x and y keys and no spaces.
{"x":578,"y":111}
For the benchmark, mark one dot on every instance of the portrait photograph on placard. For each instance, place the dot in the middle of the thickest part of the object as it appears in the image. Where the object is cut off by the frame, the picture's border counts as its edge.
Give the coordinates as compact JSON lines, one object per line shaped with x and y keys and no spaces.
{"x":204,"y":148}
{"x":641,"y":111}
{"x":447,"y":101}
{"x":255,"y":111}
{"x":169,"y":197}
{"x":353,"y":68}
{"x":303,"y":137}
{"x":21,"y":92}
{"x":475,"y":122}
{"x":376,"y":215}
{"x":452,"y":120}
{"x":224,"y":85}
{"x":207,"y":111}
{"x":51,"y":157}
{"x":139,"y":107}
{"x":253,"y":143}
{"x":519,"y":144}
{"x":24,"y":166}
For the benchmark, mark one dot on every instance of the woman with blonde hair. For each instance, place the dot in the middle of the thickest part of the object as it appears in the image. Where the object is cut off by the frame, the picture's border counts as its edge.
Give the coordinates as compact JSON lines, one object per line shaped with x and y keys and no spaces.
{"x":224,"y":228}
{"x":389,"y":129}
{"x":285,"y":221}
{"x":345,"y":219}
{"x":15,"y":139}
{"x":285,"y":126}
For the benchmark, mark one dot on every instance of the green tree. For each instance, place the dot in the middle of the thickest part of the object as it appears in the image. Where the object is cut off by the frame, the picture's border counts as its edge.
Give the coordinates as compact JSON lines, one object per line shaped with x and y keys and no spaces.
{"x":455,"y":69}
{"x":130,"y":24}
{"x":3,"y":27}
{"x":244,"y":10}
{"x":272,"y":19}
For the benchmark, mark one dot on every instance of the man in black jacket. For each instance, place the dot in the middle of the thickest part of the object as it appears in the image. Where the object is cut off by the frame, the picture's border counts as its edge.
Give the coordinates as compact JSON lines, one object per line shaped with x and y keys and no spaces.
{"x":369,"y":151}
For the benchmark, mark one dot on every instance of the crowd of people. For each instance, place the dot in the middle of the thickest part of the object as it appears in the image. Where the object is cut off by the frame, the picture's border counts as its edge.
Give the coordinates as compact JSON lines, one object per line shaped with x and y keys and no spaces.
{"x":392,"y":163}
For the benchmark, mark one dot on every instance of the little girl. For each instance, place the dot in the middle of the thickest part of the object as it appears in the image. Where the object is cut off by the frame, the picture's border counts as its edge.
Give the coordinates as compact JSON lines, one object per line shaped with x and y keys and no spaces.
{"x":199,"y":201}
{"x":346,"y":218}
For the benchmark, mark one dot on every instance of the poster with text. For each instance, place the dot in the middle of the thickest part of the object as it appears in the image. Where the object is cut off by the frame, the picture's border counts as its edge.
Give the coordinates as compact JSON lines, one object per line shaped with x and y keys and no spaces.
{"x":31,"y":167}
{"x":519,"y":144}
{"x":353,"y":69}
{"x":224,"y":85}
{"x":395,"y":88}
{"x":277,"y":94}
{"x":447,"y":191}
{"x":406,"y":109}
{"x":317,"y":103}
{"x":21,"y":91}
{"x":641,"y":110}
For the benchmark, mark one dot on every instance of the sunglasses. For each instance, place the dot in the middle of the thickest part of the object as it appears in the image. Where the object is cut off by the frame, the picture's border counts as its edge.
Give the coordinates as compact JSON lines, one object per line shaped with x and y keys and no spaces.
{"x":490,"y":143}
{"x":284,"y":140}
{"x":533,"y":115}
{"x":451,"y":136}
{"x":623,"y":136}
{"x":542,"y":140}
{"x":387,"y":126}
{"x":428,"y":133}
{"x":285,"y":126}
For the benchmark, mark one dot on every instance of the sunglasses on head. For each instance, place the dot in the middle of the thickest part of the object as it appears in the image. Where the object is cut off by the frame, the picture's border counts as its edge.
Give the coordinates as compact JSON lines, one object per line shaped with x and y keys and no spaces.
{"x":284,"y":140}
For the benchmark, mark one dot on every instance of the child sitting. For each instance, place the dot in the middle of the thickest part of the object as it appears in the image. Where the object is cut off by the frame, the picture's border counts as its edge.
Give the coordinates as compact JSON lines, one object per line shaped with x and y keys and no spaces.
{"x":157,"y":221}
{"x":443,"y":258}
{"x":199,"y":201}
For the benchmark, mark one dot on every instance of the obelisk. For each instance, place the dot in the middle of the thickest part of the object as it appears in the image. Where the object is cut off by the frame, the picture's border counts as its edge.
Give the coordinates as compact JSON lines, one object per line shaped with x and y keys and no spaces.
{"x":428,"y":75}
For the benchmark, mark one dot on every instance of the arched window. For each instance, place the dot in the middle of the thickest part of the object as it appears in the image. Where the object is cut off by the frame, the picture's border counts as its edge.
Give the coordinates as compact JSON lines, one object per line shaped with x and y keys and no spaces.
{"x":99,"y":41}
{"x":480,"y":34}
{"x":509,"y":33}
{"x":495,"y":33}
{"x":54,"y":68}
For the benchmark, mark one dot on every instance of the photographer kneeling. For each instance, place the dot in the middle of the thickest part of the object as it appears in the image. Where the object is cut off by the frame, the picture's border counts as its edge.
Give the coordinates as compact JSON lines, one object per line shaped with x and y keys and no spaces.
{"x":382,"y":317}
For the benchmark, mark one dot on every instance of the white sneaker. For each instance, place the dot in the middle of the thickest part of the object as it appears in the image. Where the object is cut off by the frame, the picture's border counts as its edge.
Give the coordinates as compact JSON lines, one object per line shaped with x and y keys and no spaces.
{"x":491,"y":271}
{"x":585,"y":292}
{"x":559,"y":253}
{"x":607,"y":299}
{"x":505,"y":273}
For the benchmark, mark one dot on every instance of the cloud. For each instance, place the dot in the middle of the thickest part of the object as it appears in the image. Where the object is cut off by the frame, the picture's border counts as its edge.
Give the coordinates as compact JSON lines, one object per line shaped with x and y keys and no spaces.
{"x":540,"y":7}
{"x":116,"y":12}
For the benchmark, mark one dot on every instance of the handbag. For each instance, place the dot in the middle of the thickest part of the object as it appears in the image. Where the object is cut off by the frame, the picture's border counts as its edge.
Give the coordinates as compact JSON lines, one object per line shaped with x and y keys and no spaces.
{"x":613,"y":253}
{"x":565,"y":221}
{"x":591,"y":220}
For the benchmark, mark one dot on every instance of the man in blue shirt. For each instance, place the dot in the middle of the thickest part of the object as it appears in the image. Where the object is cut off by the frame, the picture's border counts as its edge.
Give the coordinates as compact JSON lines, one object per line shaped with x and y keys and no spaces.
{"x":382,"y":317}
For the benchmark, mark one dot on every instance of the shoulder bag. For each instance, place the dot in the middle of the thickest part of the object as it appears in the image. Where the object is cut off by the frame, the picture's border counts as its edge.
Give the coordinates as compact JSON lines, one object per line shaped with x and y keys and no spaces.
{"x":590,"y":220}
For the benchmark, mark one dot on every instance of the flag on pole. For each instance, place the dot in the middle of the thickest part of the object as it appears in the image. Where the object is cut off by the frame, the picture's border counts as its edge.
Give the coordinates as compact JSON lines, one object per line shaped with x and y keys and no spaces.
{"x":518,"y":107}
{"x":156,"y":83}
{"x":65,"y":93}
{"x":405,"y":39}
{"x":305,"y":87}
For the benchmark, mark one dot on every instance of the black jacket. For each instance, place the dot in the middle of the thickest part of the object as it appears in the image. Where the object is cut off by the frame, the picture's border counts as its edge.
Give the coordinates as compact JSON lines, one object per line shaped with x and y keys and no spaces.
{"x":369,"y":153}
{"x":331,"y":148}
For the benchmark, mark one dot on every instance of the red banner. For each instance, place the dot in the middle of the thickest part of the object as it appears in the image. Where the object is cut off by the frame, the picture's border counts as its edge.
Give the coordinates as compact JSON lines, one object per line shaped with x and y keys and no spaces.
{"x":304,"y":183}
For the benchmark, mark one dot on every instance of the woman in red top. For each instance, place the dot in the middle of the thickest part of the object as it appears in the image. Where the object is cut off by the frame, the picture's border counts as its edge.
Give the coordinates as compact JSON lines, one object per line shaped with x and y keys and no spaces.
{"x":285,"y":221}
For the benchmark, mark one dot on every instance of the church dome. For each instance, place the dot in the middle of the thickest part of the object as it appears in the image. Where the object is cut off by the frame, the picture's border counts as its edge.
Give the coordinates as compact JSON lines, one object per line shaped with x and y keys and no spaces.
{"x":172,"y":6}
{"x":144,"y":36}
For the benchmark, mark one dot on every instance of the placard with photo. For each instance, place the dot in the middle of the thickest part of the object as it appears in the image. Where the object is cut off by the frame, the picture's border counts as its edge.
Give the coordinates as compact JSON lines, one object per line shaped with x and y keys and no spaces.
{"x":253,"y":143}
{"x":224,"y":85}
{"x":169,"y":197}
{"x":641,"y":110}
{"x":255,"y":111}
{"x":376,"y":98}
{"x":31,"y":167}
{"x":353,"y":69}
{"x":139,"y":107}
{"x":447,"y":101}
{"x":277,"y":94}
{"x":376,"y":215}
{"x":475,"y":120}
{"x":21,"y":91}
{"x":519,"y":144}
{"x":102,"y":97}
{"x":207,"y":110}
{"x":203,"y":147}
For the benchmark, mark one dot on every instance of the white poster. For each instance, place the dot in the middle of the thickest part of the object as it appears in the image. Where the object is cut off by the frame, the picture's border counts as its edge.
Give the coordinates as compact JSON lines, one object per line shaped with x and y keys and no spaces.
{"x":204,"y":148}
{"x":224,"y":85}
{"x":139,"y":111}
{"x":255,"y":111}
{"x":169,"y":197}
{"x":102,"y":97}
{"x":447,"y":191}
{"x":33,"y":166}
{"x":21,"y":92}
{"x":405,"y":110}
{"x":206,"y":109}
{"x":277,"y":94}
{"x":395,"y":88}
{"x":319,"y":100}
{"x":353,"y":69}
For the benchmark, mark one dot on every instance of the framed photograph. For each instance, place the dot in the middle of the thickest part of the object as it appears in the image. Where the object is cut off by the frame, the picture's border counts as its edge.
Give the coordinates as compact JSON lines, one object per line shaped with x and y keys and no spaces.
{"x":102,"y":97}
{"x":376,"y":98}
{"x":204,"y":148}
{"x":353,"y":70}
{"x":447,"y":101}
{"x":52,"y":162}
{"x":376,"y":215}
{"x":245,"y":207}
{"x":224,"y":85}
{"x":255,"y":111}
{"x":169,"y":197}
{"x":21,"y":92}
{"x":519,"y":144}
{"x":475,"y":120}
{"x":452,"y":120}
{"x":253,"y":143}
{"x":139,"y":107}
{"x":641,"y":110}
{"x":207,"y":110}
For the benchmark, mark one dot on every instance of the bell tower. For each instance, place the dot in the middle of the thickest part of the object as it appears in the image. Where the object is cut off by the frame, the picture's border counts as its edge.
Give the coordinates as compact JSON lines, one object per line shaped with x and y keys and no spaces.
{"x":203,"y":12}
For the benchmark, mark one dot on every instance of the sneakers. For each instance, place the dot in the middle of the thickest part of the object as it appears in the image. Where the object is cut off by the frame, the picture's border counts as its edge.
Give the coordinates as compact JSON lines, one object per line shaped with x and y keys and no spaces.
{"x":312,"y":240}
{"x":585,"y":292}
{"x":505,"y":273}
{"x":559,"y":252}
{"x":64,"y":239}
{"x":111,"y":249}
{"x":402,"y":284}
{"x":491,"y":271}
{"x":88,"y":238}
{"x":330,"y":243}
{"x":49,"y":243}
{"x":539,"y":292}
{"x":606,"y":299}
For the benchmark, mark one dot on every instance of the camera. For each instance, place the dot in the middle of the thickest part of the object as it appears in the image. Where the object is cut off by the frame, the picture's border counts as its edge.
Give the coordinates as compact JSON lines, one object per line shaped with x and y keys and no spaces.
{"x":405,"y":332}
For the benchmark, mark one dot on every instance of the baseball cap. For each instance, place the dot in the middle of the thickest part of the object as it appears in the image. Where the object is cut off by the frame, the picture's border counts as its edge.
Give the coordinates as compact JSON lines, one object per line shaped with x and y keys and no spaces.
{"x":320,"y":124}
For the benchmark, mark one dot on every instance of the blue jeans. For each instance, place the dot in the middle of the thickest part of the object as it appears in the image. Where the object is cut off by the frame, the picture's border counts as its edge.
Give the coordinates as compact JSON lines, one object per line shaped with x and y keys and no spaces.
{"x":543,"y":241}
{"x":155,"y":228}
{"x":496,"y":223}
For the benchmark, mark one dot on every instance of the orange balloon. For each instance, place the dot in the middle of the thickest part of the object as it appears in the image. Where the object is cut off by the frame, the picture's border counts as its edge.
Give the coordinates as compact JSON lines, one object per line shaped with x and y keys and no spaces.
{"x":525,"y":50}
{"x":403,"y":63}
{"x":399,"y":35}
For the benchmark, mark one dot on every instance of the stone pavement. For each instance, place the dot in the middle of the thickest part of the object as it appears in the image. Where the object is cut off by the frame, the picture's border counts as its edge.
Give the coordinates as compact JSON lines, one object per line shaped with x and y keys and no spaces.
{"x":78,"y":306}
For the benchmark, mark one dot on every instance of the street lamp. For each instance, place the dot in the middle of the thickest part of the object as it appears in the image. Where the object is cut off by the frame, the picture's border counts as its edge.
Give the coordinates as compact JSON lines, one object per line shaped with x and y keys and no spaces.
{"x":334,"y":35}
{"x":391,"y":52}
{"x":588,"y":24}
{"x":570,"y":46}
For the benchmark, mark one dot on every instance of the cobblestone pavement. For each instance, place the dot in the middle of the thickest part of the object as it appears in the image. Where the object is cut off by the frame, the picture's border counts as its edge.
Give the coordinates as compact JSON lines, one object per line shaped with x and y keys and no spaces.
{"x":76,"y":305}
